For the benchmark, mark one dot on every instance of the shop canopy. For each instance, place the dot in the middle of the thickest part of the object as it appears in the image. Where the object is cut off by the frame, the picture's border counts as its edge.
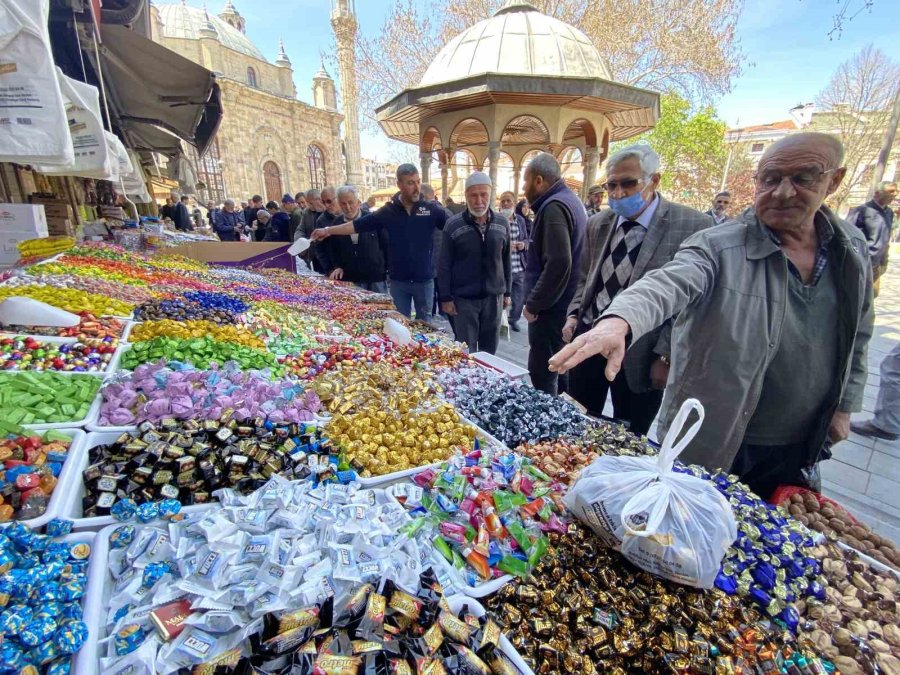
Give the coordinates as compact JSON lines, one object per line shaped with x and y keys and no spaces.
{"x":152,"y":90}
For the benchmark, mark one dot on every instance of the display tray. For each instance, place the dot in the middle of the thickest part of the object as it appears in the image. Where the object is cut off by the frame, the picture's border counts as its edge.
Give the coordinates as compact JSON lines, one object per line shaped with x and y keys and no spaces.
{"x":457,"y":602}
{"x":56,"y":505}
{"x":129,"y":326}
{"x":874,"y":564}
{"x":107,"y":369}
{"x":76,"y":491}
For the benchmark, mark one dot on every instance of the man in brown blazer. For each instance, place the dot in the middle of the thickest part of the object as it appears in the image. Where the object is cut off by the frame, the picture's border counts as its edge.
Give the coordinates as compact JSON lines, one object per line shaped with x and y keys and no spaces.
{"x":640,"y":232}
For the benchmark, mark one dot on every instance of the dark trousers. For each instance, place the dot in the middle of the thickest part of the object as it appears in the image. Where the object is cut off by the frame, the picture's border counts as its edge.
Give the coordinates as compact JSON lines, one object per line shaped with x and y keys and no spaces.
{"x":588,"y":385}
{"x":477,"y":323}
{"x":517,"y":299}
{"x":544,"y":340}
{"x":764,"y":467}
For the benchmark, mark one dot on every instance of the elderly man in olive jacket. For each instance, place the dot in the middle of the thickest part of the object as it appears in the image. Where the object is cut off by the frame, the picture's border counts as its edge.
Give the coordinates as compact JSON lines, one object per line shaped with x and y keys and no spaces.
{"x":773,"y":319}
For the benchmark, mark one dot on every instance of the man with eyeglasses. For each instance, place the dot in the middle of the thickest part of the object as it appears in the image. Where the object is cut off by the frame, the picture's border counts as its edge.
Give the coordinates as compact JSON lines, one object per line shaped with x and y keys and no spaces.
{"x":774,"y":315}
{"x":719,"y":210}
{"x":640,"y":232}
{"x":331,"y":215}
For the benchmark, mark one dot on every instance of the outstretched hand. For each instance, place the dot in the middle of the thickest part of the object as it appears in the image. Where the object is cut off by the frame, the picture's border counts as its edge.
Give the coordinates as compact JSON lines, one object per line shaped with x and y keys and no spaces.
{"x":318,"y":235}
{"x":607,"y":338}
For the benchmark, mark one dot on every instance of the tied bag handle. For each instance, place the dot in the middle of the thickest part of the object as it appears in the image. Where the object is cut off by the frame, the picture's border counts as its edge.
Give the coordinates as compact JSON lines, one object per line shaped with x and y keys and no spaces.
{"x":634,"y":512}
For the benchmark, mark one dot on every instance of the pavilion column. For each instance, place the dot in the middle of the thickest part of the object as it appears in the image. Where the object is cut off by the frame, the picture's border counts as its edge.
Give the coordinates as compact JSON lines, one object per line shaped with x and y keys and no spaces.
{"x":591,"y":163}
{"x":494,"y":158}
{"x":444,"y":177}
{"x":425,"y":161}
{"x":517,"y":179}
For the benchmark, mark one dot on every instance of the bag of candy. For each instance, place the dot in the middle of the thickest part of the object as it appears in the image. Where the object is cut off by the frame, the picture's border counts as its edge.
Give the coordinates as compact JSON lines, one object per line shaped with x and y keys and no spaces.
{"x":672,"y":524}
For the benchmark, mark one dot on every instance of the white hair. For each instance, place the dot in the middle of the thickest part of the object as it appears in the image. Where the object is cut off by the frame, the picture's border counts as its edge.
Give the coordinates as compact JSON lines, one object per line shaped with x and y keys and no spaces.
{"x":347,"y":190}
{"x":228,"y":202}
{"x":262,"y":214}
{"x":640,"y":151}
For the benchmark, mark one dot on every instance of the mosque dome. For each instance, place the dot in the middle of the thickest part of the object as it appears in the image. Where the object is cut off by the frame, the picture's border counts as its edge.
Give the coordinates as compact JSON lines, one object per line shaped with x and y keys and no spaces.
{"x":181,"y":21}
{"x":518,"y":40}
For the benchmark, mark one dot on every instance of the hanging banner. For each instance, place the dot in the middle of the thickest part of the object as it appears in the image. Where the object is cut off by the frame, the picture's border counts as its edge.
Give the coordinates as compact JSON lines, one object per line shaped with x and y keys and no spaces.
{"x":133,"y":182}
{"x":33,"y":128}
{"x":92,"y":155}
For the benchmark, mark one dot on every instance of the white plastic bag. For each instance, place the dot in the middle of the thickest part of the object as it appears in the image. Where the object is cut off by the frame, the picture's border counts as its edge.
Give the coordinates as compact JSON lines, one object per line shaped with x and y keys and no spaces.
{"x":33,"y":128}
{"x":674,"y":525}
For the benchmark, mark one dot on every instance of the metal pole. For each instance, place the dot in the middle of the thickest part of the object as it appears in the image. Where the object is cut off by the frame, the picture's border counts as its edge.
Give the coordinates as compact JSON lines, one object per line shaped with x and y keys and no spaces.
{"x":883,"y":156}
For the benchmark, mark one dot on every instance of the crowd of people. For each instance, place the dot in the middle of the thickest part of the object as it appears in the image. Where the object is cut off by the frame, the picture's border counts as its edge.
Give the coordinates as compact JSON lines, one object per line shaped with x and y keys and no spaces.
{"x":764,"y":315}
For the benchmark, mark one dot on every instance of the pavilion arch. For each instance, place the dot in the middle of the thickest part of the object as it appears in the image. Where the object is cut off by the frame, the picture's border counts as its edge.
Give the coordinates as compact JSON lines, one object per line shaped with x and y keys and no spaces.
{"x":469,"y":132}
{"x":570,"y":156}
{"x":431,"y":140}
{"x":525,"y":130}
{"x":506,"y":172}
{"x":580,"y":132}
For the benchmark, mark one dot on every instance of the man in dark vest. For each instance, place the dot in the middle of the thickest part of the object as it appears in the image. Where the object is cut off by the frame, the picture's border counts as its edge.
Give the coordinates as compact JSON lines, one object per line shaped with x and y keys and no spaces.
{"x":551,"y":267}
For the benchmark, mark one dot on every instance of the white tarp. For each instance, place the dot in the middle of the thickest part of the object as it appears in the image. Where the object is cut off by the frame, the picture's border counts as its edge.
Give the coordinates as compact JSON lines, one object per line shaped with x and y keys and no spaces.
{"x":133,"y":183}
{"x":122,"y":162}
{"x":33,"y":128}
{"x":93,"y":158}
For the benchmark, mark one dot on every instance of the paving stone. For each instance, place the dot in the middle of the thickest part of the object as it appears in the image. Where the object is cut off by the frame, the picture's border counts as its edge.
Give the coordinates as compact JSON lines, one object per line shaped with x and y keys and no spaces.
{"x":845,"y":475}
{"x":853,"y":454}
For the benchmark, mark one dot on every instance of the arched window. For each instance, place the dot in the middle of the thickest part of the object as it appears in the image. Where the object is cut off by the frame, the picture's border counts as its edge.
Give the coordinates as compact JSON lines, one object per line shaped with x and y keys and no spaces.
{"x":316,"y":159}
{"x":251,"y":77}
{"x":209,"y":172}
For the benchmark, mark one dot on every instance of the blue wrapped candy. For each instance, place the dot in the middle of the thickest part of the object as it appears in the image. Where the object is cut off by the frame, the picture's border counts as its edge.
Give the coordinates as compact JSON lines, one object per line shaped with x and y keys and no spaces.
{"x":11,"y":656}
{"x":70,"y":637}
{"x":37,"y":631}
{"x":44,"y":653}
{"x":169,"y":509}
{"x":60,"y":667}
{"x":122,"y":536}
{"x":57,"y":551}
{"x":58,"y":527}
{"x":71,"y":590}
{"x":153,"y":573}
{"x":147,"y":512}
{"x":71,"y":610}
{"x":128,"y":639}
{"x":49,"y":610}
{"x":124,"y":509}
{"x":49,"y":591}
{"x":7,"y":560}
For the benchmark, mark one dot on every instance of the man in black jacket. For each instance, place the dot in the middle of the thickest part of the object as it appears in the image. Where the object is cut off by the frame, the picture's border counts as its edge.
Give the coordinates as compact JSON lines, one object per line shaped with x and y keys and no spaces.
{"x":250,"y":211}
{"x":474,"y":275}
{"x":321,"y":256}
{"x":361,"y":257}
{"x":875,"y":219}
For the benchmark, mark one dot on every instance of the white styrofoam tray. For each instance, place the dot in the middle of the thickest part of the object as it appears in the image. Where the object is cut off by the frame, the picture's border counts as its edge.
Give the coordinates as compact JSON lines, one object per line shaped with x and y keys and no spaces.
{"x":76,"y":492}
{"x":56,"y":505}
{"x":108,"y":368}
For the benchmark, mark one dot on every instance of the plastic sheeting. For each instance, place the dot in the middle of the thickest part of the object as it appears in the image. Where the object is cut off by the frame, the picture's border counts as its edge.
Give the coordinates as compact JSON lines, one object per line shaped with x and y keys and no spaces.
{"x":33,"y":127}
{"x":93,"y":157}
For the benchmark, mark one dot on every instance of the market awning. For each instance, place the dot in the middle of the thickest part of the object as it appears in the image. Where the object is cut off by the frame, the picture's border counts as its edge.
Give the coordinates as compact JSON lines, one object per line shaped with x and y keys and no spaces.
{"x":152,"y":88}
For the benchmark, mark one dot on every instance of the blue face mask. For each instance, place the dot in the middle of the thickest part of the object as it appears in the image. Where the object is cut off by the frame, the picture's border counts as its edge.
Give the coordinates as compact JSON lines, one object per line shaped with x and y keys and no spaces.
{"x":628,"y":206}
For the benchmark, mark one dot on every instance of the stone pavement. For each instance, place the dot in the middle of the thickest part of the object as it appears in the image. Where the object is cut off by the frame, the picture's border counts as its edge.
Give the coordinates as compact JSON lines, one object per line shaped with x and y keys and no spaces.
{"x":864,"y":474}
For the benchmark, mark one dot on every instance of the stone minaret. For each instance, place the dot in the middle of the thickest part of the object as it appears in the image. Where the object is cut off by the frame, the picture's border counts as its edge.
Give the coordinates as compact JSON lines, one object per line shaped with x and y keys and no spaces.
{"x":343,"y":21}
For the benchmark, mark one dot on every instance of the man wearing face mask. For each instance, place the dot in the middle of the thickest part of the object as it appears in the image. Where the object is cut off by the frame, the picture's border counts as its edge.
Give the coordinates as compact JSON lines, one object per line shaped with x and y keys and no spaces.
{"x":518,"y":237}
{"x":474,"y":274}
{"x":640,"y":232}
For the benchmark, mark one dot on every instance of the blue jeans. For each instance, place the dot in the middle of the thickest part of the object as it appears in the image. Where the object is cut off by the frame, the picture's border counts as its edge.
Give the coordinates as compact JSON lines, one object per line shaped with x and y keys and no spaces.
{"x":374,"y":286}
{"x":418,"y":293}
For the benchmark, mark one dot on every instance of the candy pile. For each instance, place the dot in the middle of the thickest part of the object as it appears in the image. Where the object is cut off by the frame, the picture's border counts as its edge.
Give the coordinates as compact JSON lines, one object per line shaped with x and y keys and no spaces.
{"x":43,"y":583}
{"x":486,"y":512}
{"x":31,"y":467}
{"x":319,"y":359}
{"x":383,"y":442}
{"x":200,"y":352}
{"x":155,"y":393}
{"x":195,"y":329}
{"x":363,"y":386}
{"x":281,"y":550}
{"x":586,"y":609}
{"x":89,"y":327}
{"x":68,"y":299}
{"x":181,"y":310}
{"x":858,"y":624}
{"x":517,"y":414}
{"x":189,"y":460}
{"x":28,"y":353}
{"x":560,"y":460}
{"x":44,"y":398}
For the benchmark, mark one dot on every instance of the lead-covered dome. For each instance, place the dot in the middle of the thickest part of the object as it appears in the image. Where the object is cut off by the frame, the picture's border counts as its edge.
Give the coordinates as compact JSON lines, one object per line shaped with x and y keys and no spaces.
{"x":181,"y":21}
{"x":518,"y":40}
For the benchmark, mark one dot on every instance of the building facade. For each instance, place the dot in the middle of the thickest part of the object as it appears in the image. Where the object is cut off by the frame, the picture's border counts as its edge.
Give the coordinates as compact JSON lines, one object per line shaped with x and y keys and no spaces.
{"x":378,"y":175}
{"x":269,"y":142}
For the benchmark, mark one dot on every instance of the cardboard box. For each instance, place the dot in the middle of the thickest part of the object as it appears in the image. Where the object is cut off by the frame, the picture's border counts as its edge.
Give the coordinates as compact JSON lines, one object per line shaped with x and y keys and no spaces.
{"x":237,"y":253}
{"x":23,"y":218}
{"x":9,"y":254}
{"x":60,"y":227}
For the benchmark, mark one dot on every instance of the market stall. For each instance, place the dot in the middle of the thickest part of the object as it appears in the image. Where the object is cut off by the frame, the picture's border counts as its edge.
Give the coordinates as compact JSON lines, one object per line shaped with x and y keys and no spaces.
{"x":216,"y":469}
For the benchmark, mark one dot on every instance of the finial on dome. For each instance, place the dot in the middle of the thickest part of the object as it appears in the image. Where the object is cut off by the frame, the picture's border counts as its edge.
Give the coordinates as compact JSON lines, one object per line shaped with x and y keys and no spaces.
{"x":515,"y":6}
{"x":322,"y":72}
{"x":282,"y":59}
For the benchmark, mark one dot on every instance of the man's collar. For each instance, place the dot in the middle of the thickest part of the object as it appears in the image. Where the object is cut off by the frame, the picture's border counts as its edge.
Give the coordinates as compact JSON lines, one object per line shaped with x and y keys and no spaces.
{"x":646,"y":215}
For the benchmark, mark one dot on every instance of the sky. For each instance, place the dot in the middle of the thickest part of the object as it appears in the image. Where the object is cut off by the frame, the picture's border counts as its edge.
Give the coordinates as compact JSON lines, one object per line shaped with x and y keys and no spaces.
{"x":789,"y":57}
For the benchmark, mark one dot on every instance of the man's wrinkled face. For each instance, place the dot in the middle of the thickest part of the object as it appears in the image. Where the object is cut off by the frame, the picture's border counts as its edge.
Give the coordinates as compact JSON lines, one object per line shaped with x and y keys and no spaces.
{"x":329,"y":201}
{"x":301,"y":202}
{"x":315,"y":203}
{"x":349,"y":205}
{"x":534,"y":186}
{"x":596,"y":199}
{"x":210,"y":205}
{"x":887,"y":195}
{"x":793,"y":179}
{"x":478,"y":199}
{"x":410,"y":187}
{"x":229,"y":208}
{"x":507,"y":202}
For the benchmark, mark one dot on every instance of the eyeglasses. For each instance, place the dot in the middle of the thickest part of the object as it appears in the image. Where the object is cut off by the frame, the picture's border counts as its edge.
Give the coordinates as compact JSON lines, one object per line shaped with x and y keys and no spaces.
{"x":809,"y":178}
{"x":328,"y":201}
{"x":626,"y":184}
